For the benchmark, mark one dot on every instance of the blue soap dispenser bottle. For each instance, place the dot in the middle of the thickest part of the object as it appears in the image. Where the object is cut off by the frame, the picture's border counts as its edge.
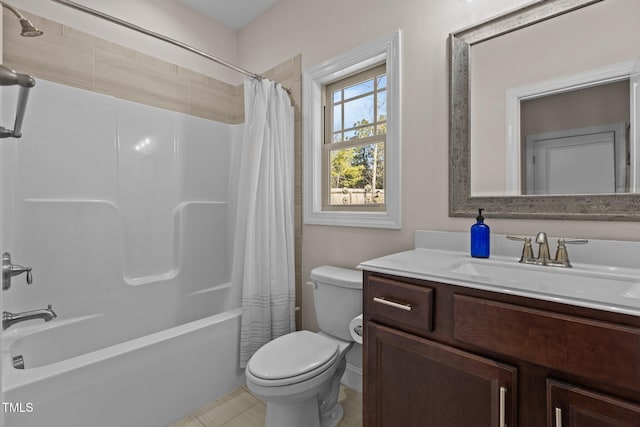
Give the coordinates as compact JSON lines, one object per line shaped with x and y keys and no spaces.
{"x":480,"y":239}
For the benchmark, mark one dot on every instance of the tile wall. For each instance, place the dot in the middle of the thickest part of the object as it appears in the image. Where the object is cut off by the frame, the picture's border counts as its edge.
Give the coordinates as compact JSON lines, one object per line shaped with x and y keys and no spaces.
{"x":74,"y":58}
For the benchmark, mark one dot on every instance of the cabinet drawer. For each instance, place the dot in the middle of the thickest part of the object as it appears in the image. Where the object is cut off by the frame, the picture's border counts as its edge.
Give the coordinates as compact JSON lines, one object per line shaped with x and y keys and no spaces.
{"x":401,"y":304}
{"x":604,"y":351}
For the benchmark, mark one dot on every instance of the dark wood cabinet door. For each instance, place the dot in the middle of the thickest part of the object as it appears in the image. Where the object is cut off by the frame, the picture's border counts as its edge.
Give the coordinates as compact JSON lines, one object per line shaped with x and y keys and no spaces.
{"x":571,"y":406}
{"x":411,"y":381}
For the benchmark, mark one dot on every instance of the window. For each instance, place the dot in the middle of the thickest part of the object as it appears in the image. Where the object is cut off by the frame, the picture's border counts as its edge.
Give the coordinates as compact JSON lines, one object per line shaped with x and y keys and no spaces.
{"x":352,"y":138}
{"x":355,"y":131}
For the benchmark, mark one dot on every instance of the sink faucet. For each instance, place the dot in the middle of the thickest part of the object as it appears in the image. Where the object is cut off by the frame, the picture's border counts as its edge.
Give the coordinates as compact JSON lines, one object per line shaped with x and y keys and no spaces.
{"x":544,"y":258}
{"x":543,"y":249}
{"x":9,"y":319}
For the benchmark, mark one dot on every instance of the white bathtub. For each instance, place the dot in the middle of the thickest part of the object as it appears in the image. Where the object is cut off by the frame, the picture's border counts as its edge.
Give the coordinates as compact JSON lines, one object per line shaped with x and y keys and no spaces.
{"x":125,"y":221}
{"x":153,"y":380}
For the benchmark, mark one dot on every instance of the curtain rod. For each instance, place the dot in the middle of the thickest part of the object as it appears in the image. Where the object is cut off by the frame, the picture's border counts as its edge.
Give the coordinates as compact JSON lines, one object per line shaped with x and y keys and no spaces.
{"x":158,"y":36}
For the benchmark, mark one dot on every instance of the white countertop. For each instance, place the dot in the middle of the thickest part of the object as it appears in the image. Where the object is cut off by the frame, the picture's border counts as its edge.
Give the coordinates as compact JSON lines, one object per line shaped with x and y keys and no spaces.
{"x":611,"y":285}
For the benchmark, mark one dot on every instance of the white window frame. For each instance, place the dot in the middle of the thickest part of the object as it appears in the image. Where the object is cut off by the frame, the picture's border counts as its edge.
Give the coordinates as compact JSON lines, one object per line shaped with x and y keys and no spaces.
{"x":370,"y":74}
{"x":384,"y":50}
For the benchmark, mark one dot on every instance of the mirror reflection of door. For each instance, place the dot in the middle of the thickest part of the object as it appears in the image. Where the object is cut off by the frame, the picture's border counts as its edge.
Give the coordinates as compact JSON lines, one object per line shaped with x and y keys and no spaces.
{"x":579,"y":161}
{"x":578,"y":139}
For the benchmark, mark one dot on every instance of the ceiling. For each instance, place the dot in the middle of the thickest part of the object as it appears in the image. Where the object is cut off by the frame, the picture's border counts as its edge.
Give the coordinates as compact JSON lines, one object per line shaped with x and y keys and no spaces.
{"x":232,"y":13}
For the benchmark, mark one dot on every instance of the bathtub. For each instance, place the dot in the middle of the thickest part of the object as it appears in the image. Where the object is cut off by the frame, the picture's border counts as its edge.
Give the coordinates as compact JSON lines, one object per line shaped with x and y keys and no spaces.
{"x":70,"y":379}
{"x":125,"y":221}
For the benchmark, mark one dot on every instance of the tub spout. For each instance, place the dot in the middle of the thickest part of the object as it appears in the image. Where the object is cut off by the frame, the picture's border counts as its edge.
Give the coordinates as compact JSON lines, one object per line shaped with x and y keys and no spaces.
{"x":9,"y":319}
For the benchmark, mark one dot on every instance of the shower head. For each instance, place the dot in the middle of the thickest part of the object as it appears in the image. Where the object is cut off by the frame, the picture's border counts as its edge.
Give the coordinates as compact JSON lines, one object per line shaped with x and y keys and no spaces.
{"x":28,"y":29}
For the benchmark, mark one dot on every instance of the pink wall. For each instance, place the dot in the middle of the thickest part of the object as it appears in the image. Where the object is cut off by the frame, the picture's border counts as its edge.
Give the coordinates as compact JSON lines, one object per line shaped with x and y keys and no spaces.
{"x":322,"y":30}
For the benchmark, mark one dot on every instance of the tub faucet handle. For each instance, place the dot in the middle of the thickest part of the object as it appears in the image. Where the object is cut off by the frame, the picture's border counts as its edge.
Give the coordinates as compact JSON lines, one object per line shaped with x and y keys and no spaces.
{"x":18,"y":269}
{"x":9,"y":270}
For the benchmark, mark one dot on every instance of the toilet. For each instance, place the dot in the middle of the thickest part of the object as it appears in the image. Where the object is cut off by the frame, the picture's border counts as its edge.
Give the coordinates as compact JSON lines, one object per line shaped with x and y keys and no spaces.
{"x":298,"y":374}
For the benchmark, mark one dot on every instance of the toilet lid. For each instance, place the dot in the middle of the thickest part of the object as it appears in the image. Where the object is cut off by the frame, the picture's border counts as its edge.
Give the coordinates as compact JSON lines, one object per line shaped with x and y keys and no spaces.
{"x":293,"y":355}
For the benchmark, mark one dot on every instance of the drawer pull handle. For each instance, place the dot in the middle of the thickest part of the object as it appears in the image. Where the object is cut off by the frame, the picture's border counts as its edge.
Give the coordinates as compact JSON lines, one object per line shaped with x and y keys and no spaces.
{"x":503,"y":406}
{"x":558,"y":417}
{"x":401,"y":306}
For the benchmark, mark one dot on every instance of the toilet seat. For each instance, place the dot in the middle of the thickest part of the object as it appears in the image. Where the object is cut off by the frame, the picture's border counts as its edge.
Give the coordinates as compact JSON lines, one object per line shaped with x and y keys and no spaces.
{"x":292,"y":358}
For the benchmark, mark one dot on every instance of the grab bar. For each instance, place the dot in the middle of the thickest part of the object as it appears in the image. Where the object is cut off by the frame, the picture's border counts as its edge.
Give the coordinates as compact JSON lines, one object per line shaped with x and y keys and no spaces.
{"x":8,"y":77}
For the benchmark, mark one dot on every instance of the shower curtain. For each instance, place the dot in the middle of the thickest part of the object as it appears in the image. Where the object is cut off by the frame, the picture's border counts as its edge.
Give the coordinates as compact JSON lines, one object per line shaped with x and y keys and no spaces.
{"x":263,"y":254}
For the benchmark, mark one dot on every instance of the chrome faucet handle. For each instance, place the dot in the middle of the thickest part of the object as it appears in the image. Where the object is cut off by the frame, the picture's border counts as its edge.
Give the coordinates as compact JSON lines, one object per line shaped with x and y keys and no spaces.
{"x":562,"y":256}
{"x":573,"y":241}
{"x":9,"y":270}
{"x":519,"y":238}
{"x":18,"y":269}
{"x":527,"y":250}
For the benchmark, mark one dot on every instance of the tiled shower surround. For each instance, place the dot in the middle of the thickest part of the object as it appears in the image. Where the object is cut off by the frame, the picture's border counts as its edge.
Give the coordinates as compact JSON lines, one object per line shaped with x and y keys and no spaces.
{"x":75,"y":58}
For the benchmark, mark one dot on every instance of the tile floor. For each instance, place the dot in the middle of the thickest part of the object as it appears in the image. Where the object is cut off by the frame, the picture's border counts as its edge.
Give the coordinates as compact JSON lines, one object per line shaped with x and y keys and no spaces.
{"x":241,"y":409}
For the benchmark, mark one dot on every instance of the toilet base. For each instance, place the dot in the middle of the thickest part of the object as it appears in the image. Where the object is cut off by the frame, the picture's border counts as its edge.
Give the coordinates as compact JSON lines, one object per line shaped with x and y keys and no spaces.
{"x":302,"y":414}
{"x":333,"y":418}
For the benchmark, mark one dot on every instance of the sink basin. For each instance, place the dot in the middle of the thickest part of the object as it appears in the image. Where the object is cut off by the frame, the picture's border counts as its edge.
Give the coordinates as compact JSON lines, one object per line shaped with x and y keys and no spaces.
{"x":595,"y":284}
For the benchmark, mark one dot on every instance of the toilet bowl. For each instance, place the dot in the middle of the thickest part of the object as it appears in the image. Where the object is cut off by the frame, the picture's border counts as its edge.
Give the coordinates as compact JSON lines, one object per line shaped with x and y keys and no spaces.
{"x":298,"y":374}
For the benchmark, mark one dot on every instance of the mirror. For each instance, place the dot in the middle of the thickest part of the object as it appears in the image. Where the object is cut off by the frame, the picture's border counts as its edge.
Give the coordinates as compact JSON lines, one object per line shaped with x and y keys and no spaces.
{"x":519,"y":86}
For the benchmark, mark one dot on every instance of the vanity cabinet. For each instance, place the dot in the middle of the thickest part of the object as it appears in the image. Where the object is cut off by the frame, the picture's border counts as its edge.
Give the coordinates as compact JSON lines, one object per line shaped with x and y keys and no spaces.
{"x":571,"y":406}
{"x":445,"y":355}
{"x":417,"y":382}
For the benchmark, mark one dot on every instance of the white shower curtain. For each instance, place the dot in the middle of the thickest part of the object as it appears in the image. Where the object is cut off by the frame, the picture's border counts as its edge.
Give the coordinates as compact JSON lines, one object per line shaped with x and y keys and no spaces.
{"x":263,"y":255}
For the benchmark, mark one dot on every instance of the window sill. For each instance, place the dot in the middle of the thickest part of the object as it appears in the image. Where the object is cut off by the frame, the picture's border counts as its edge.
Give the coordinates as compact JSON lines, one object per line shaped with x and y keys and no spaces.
{"x":354,"y":219}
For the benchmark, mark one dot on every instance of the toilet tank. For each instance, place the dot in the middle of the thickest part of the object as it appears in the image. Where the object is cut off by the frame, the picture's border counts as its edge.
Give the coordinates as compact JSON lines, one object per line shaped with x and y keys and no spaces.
{"x":337,"y":297}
